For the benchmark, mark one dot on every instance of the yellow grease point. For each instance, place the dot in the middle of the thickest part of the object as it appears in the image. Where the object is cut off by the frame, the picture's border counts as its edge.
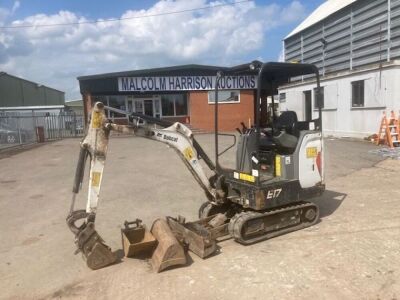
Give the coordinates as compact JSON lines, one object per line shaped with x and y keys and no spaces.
{"x":96,"y":119}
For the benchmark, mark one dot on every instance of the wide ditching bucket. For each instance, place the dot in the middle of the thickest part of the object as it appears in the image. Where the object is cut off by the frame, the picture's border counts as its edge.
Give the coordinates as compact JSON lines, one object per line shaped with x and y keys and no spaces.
{"x":169,"y":252}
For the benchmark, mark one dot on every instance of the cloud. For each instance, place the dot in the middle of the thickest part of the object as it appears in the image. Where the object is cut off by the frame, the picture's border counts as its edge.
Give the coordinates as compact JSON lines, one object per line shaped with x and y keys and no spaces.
{"x":16,"y":5}
{"x":281,"y":57}
{"x":57,"y":55}
{"x":294,"y":12}
{"x":5,"y":13}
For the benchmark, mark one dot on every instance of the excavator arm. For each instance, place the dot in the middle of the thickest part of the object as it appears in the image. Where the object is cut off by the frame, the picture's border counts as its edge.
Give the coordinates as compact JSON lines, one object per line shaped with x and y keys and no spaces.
{"x":94,"y":146}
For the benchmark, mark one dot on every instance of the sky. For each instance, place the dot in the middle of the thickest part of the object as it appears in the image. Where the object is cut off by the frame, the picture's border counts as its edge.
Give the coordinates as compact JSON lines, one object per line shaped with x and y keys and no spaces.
{"x":224,"y":35}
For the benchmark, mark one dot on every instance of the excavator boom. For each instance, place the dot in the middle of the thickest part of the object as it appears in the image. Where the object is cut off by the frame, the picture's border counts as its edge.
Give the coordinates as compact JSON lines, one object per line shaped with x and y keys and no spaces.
{"x":94,"y":146}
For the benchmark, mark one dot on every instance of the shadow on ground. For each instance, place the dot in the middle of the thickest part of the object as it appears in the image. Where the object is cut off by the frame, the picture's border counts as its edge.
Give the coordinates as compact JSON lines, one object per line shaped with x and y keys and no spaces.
{"x":329,"y":202}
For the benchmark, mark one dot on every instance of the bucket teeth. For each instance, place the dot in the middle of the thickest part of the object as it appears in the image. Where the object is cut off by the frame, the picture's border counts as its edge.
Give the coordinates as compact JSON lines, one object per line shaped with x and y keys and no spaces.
{"x":100,"y":256}
{"x":169,"y":251}
{"x":96,"y":253}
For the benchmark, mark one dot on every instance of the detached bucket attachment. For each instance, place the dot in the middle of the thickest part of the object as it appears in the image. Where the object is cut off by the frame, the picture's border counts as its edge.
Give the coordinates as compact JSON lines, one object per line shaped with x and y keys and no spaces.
{"x":195,"y":235}
{"x":96,"y":253}
{"x":169,"y":251}
{"x":137,"y":240}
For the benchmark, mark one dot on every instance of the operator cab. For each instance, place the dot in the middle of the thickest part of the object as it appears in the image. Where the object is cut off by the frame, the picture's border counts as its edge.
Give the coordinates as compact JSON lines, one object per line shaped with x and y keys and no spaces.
{"x":275,"y":152}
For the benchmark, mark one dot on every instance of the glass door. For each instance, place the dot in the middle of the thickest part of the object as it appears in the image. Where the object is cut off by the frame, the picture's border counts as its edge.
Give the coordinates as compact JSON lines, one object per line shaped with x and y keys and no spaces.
{"x":139,"y":106}
{"x":157,"y":108}
{"x":130,"y":105}
{"x":148,"y":107}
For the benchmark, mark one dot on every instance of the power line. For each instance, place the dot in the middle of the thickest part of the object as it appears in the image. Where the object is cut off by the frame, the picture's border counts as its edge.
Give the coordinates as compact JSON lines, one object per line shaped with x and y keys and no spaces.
{"x":123,"y":19}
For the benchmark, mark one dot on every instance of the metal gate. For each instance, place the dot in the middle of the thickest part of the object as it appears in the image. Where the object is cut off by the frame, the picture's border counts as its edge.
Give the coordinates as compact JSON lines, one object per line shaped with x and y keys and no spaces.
{"x":17,"y":128}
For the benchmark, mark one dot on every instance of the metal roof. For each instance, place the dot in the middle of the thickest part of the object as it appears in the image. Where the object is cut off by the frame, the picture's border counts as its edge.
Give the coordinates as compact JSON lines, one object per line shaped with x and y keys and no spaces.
{"x":275,"y":71}
{"x":74,"y":103}
{"x":322,"y":12}
{"x":39,"y":107}
{"x":26,"y":80}
{"x":190,"y":69}
{"x":107,"y":84}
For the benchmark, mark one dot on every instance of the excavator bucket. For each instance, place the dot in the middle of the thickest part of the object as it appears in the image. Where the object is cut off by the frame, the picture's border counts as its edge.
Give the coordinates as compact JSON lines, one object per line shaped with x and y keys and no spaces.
{"x":169,"y":251}
{"x":96,"y":253}
{"x":137,"y":240}
{"x":195,"y":235}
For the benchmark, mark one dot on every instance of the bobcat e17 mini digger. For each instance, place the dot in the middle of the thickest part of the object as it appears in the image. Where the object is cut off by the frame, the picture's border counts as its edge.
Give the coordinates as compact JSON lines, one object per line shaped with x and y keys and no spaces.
{"x":278,"y":169}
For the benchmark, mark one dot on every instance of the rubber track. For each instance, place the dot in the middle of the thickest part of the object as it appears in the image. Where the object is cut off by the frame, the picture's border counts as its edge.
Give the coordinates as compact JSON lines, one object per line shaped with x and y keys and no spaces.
{"x":239,"y":220}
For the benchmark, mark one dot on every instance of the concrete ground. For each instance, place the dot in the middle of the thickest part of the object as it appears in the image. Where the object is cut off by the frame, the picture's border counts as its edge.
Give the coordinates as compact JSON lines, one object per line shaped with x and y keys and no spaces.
{"x":352,"y":253}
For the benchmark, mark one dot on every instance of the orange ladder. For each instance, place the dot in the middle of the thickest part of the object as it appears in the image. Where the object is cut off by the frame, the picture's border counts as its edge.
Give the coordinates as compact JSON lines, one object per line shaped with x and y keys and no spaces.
{"x":389,"y":131}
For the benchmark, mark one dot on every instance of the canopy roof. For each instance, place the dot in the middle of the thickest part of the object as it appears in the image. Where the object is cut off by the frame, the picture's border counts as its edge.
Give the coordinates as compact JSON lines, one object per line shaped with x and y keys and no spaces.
{"x":182,"y":70}
{"x":277,"y":72}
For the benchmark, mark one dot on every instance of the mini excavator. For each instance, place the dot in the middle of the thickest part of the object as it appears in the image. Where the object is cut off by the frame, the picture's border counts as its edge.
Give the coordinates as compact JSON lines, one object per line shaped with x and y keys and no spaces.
{"x":279,"y":168}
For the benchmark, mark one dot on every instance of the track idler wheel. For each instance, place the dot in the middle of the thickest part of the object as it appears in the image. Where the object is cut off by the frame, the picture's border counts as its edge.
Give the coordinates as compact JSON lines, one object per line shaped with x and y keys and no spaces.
{"x":208,"y":209}
{"x":310,"y":215}
{"x":239,"y":222}
{"x":94,"y":251}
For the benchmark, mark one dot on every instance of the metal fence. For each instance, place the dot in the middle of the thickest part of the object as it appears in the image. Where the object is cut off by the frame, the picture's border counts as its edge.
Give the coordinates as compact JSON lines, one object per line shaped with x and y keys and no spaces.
{"x":17,"y":128}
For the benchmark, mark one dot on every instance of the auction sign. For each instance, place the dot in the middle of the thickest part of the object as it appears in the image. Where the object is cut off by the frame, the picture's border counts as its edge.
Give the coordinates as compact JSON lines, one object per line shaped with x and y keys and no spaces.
{"x":185,"y":83}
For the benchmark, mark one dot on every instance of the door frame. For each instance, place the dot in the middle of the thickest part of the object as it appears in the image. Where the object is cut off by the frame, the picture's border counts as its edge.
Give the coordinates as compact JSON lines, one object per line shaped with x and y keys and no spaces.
{"x":153,"y":98}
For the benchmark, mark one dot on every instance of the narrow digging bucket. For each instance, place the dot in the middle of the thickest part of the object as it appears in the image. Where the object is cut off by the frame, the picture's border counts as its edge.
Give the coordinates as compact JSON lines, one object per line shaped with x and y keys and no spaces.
{"x":137,"y":240}
{"x":96,"y":253}
{"x":100,"y":256}
{"x":169,"y":251}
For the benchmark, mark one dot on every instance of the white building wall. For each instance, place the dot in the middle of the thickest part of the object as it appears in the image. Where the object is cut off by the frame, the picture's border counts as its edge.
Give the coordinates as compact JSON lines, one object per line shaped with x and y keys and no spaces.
{"x":381,"y":93}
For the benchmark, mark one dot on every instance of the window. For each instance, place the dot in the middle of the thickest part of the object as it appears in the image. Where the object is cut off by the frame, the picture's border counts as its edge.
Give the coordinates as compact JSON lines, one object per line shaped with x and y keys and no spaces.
{"x":139,"y":107}
{"x":167,"y":102}
{"x":180,"y":106}
{"x":357,"y":93}
{"x":321,"y":99}
{"x":282,"y":97}
{"x":174,"y":105}
{"x":224,"y":97}
{"x":116,"y":102}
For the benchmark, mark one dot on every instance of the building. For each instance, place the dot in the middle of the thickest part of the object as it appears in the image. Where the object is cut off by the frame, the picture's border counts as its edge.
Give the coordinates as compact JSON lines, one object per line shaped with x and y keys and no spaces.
{"x":75,"y":106}
{"x":31,"y":112}
{"x":17,"y":92}
{"x":356,"y":46}
{"x":180,"y":93}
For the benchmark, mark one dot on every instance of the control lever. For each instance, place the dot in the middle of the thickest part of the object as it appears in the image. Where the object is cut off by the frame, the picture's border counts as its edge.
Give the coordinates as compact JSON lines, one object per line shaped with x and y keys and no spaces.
{"x":244,"y":127}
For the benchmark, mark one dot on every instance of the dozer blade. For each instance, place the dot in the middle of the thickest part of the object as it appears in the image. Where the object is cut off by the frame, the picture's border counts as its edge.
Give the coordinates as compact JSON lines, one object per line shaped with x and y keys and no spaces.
{"x":169,"y":251}
{"x":96,"y":253}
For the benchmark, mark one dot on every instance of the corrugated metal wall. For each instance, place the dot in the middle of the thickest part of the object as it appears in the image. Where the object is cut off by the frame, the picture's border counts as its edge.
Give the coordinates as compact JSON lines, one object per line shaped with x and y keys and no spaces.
{"x":368,"y":31}
{"x":18,"y":92}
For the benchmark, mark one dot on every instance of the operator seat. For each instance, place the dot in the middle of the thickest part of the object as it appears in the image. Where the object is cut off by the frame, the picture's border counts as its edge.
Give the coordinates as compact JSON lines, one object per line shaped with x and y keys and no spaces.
{"x":288,"y":121}
{"x":286,"y":133}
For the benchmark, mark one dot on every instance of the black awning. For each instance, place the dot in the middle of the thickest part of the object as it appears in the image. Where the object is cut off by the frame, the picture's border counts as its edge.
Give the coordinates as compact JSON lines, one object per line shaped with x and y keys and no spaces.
{"x":273,"y":75}
{"x":182,"y":70}
{"x":276,"y":72}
